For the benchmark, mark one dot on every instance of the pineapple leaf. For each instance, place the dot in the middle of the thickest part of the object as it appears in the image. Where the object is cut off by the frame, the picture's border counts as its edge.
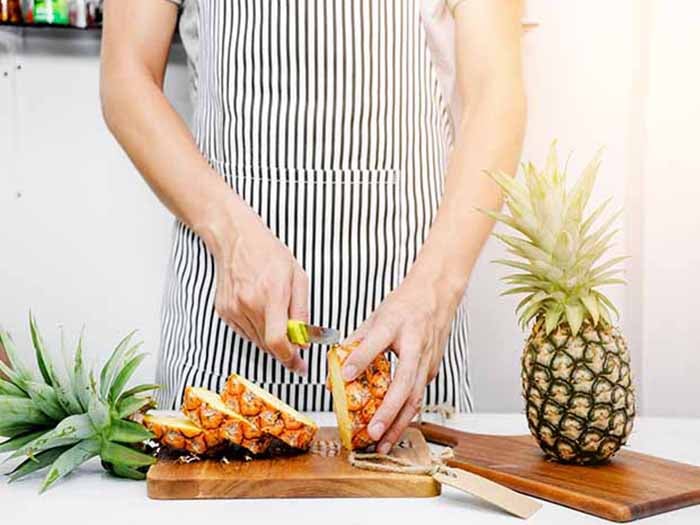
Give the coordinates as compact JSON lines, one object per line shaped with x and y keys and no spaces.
{"x":113,"y":364}
{"x":574,"y":316}
{"x":593,"y":217}
{"x":122,"y":471}
{"x":9,"y":389}
{"x":607,"y":265}
{"x":132,"y":404}
{"x":552,"y":316}
{"x":71,"y":430}
{"x":19,"y":441}
{"x":12,"y":430}
{"x":581,"y":192}
{"x":81,"y":381}
{"x":16,"y":372}
{"x":17,"y":411}
{"x":608,"y":303}
{"x":124,"y":376}
{"x":520,"y":290}
{"x":46,"y":400}
{"x":45,"y":365}
{"x":38,"y":462}
{"x":128,"y":432}
{"x":98,"y":412}
{"x":591,"y":304}
{"x":122,"y":455}
{"x":49,"y":372}
{"x":138,"y":390}
{"x":69,"y":460}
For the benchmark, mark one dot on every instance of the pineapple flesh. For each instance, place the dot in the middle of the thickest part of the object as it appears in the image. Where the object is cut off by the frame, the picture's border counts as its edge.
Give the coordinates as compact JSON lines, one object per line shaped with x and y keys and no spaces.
{"x":207,"y":411}
{"x":181,"y":434}
{"x":355,"y":402}
{"x":576,"y":378}
{"x":269,"y":414}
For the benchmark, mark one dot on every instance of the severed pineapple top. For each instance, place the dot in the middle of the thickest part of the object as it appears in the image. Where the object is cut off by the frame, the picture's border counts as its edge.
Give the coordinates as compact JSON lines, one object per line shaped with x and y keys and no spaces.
{"x":559,"y":250}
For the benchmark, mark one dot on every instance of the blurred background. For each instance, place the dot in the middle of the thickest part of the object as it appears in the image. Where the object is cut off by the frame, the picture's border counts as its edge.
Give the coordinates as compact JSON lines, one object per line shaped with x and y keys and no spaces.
{"x":84,"y":242}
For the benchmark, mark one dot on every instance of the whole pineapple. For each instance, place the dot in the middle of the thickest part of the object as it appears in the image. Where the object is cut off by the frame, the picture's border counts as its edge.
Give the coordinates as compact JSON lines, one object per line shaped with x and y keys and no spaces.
{"x":576,"y":379}
{"x":60,"y":420}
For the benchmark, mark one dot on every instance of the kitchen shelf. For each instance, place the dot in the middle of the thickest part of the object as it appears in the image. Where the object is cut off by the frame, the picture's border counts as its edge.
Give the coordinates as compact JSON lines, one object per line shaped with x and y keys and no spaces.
{"x":50,"y":26}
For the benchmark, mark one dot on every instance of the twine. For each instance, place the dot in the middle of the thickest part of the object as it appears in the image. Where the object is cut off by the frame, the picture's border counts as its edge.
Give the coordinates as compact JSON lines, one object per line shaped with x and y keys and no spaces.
{"x":385,"y":463}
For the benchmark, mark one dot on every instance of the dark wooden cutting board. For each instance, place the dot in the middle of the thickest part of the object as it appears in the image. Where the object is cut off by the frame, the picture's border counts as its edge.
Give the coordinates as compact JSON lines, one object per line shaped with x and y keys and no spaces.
{"x":322,"y":473}
{"x":629,"y":487}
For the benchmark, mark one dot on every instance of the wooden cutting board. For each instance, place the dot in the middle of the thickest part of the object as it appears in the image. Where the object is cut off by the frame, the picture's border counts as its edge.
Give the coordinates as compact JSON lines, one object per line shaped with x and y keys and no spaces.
{"x":629,"y":487}
{"x":322,"y":473}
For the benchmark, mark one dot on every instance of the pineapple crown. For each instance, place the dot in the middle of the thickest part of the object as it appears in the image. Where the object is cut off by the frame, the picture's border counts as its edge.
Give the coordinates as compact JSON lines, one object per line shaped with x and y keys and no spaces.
{"x":559,"y":250}
{"x":62,"y":418}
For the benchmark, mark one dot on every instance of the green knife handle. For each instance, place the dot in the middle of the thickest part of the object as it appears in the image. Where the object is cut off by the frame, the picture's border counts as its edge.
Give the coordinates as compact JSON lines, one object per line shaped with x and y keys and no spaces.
{"x":296,"y":332}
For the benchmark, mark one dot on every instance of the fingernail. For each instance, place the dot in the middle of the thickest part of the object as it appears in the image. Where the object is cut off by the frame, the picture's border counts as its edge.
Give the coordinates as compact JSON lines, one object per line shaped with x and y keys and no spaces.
{"x":376,"y":430}
{"x":349,"y":372}
{"x":384,"y":448}
{"x":303,"y":369}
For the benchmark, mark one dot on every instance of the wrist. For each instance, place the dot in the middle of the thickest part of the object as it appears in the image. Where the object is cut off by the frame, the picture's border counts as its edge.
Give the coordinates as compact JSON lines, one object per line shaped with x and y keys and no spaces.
{"x":448,"y":277}
{"x":219,"y":222}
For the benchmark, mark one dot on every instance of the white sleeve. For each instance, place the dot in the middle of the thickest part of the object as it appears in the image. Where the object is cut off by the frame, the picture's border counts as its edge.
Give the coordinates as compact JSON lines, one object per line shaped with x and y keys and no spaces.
{"x":177,"y":2}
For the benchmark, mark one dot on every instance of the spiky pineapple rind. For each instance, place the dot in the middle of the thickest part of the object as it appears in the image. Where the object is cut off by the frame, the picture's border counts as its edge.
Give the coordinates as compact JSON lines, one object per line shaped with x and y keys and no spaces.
{"x":578,"y":390}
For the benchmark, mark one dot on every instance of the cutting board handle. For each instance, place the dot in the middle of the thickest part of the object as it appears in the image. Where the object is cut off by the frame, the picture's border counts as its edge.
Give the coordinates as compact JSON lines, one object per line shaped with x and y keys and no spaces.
{"x":441,"y":435}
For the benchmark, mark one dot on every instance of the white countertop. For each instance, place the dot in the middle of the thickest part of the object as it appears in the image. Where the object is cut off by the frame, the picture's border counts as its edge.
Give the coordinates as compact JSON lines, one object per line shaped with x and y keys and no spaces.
{"x":90,"y":496}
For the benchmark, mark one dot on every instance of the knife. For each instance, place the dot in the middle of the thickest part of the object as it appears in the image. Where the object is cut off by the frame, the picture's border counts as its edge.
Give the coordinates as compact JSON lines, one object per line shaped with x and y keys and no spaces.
{"x":301,"y":333}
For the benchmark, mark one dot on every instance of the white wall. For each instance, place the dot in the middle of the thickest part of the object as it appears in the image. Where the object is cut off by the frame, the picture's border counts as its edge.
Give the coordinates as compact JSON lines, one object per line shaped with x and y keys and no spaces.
{"x":671,"y":220}
{"x":82,"y":240}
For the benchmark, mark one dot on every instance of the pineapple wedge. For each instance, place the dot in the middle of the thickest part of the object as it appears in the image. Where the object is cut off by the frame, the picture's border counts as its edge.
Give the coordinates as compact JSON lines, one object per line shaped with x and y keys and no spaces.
{"x":179,"y":433}
{"x":207,"y":411}
{"x":269,"y":414}
{"x":356,"y":402}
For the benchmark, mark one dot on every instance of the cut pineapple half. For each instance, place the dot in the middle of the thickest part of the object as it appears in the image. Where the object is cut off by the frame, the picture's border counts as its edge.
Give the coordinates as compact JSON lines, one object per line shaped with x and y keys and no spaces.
{"x":268,"y":413}
{"x":179,"y":433}
{"x":355,"y":402}
{"x":206,"y":410}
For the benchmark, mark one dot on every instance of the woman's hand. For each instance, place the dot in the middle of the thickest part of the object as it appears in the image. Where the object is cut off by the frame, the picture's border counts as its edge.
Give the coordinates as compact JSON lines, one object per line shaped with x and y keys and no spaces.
{"x":259,"y":283}
{"x":414,"y":322}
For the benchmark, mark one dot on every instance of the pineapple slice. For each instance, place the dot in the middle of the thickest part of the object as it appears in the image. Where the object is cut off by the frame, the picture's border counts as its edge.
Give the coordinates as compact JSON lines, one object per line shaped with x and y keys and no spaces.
{"x":269,"y":414}
{"x":207,"y":411}
{"x":179,"y":433}
{"x":356,"y":402}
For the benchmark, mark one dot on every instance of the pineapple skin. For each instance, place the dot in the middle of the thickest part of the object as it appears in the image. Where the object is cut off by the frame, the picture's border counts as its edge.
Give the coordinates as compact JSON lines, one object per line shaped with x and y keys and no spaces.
{"x":578,"y":391}
{"x":271,"y":416}
{"x":362,"y":396}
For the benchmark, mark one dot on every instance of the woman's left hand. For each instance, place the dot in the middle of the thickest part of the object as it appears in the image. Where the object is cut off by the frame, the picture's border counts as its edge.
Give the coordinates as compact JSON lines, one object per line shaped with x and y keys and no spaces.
{"x":414,"y":322}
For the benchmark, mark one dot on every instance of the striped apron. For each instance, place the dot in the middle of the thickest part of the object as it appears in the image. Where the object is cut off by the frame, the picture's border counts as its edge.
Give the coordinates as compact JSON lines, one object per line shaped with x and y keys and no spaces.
{"x":328,"y":118}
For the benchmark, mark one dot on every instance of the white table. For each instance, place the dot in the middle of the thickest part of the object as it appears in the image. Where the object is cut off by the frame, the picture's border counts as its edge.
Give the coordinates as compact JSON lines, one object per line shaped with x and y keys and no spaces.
{"x":90,"y":496}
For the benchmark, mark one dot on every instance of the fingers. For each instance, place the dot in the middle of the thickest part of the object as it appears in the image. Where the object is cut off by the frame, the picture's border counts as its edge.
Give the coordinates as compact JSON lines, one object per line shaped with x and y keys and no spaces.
{"x":410,"y":409}
{"x":276,"y":341}
{"x":377,"y":339}
{"x":299,"y":302}
{"x":401,"y":387}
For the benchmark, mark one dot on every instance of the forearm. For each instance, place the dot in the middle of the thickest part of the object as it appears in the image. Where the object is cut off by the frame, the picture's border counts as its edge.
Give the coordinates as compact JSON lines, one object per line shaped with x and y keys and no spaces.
{"x":162,"y":148}
{"x":490,"y":138}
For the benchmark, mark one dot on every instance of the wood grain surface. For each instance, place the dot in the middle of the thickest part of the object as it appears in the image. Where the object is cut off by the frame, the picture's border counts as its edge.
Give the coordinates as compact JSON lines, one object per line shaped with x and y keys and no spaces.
{"x":629,"y":487}
{"x":322,"y":473}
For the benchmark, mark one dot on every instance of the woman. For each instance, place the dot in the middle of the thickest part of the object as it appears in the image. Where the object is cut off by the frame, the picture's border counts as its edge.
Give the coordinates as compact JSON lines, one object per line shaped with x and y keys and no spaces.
{"x":330,"y":176}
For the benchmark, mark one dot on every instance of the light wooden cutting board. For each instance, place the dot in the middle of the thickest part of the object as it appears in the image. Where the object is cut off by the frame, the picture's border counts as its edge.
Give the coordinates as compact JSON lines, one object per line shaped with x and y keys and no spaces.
{"x":322,"y":473}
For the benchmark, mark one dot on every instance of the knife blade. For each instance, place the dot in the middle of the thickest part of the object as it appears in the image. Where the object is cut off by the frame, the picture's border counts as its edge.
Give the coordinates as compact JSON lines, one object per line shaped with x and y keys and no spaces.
{"x":301,"y":334}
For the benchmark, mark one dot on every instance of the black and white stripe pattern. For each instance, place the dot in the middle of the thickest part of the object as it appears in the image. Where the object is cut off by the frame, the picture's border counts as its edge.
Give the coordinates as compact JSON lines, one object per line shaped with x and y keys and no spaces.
{"x":327,"y":117}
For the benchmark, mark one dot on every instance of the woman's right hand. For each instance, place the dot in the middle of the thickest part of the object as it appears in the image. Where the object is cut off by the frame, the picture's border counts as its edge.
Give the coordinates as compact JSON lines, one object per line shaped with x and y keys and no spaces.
{"x":259,"y":283}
